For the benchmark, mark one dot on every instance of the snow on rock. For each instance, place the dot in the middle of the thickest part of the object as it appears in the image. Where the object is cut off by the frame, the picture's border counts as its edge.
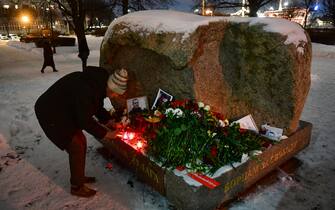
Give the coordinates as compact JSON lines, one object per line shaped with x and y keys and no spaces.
{"x":232,"y":57}
{"x":294,"y":32}
{"x":178,"y":22}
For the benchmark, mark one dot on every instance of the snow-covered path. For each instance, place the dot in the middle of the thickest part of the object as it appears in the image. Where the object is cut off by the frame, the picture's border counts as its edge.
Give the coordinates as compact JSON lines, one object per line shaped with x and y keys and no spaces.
{"x":34,"y":173}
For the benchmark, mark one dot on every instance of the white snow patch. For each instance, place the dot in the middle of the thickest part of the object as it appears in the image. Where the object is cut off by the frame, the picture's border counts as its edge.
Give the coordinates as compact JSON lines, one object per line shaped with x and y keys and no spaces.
{"x":315,"y":77}
{"x":294,"y":32}
{"x":322,"y":50}
{"x":178,"y":22}
{"x":186,"y":178}
{"x":217,"y":174}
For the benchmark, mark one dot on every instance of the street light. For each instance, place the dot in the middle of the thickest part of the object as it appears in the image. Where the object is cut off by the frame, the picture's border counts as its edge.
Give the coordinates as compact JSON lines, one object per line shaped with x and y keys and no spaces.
{"x":209,"y":12}
{"x":25,"y":19}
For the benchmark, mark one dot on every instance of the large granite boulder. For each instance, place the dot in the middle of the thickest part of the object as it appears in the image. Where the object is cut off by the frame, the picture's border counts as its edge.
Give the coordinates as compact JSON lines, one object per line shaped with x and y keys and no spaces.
{"x":239,"y":66}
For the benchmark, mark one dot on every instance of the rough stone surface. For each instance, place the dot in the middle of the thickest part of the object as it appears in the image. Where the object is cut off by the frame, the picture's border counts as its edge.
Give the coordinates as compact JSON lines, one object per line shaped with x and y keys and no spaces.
{"x":235,"y":67}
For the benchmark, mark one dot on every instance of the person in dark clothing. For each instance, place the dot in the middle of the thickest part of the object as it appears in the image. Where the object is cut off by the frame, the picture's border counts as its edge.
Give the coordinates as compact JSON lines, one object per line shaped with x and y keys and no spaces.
{"x":69,"y":106}
{"x":48,"y":56}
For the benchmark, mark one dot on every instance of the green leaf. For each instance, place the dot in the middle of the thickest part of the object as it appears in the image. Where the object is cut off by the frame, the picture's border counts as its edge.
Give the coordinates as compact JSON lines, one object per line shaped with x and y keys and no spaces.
{"x":183,"y":127}
{"x":177,"y":131}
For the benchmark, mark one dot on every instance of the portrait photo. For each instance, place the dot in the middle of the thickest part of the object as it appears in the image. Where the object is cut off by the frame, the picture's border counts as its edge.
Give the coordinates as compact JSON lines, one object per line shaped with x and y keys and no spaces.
{"x":162,"y":97}
{"x":137,"y":104}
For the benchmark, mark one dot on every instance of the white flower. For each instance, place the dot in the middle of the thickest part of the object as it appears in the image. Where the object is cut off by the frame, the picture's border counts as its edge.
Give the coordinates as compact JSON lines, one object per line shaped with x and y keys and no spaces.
{"x":178,"y":112}
{"x":221,"y":123}
{"x":196,"y":113}
{"x":207,"y":108}
{"x":210,"y":134}
{"x":226,"y":122}
{"x":200,"y":104}
{"x":169,"y":110}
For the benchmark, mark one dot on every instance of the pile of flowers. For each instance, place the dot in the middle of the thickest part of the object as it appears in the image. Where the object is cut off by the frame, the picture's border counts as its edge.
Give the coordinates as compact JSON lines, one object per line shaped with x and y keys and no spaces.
{"x":186,"y":133}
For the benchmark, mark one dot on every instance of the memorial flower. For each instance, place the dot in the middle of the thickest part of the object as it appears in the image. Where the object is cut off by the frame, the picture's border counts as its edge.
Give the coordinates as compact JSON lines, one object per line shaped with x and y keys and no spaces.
{"x":189,"y":134}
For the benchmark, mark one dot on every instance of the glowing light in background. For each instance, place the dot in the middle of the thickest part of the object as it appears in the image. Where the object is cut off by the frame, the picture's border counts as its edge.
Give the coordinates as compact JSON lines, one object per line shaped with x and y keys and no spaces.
{"x":25,"y":19}
{"x":209,"y":12}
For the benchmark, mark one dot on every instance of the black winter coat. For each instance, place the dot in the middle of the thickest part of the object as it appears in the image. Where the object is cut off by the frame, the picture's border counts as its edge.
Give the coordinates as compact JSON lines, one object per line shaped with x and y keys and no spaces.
{"x":48,"y":54}
{"x":70,"y":104}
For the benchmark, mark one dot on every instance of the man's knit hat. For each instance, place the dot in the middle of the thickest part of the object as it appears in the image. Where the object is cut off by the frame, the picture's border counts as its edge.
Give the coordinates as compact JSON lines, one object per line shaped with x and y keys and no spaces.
{"x":117,"y":82}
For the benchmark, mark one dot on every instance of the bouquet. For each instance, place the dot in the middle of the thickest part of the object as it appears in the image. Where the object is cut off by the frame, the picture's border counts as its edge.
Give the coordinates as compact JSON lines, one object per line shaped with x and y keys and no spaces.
{"x":187,"y":133}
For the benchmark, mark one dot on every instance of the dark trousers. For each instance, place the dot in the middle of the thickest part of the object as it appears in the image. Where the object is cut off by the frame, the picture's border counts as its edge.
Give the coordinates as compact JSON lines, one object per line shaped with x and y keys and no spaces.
{"x":77,"y":155}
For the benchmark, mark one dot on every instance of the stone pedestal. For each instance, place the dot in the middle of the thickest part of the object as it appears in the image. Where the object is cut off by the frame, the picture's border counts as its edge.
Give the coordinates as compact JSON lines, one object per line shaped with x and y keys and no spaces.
{"x":233,"y":182}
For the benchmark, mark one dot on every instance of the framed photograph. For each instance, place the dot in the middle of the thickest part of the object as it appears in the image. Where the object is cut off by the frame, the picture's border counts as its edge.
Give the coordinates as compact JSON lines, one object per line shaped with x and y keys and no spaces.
{"x":137,"y":104}
{"x":161,"y":98}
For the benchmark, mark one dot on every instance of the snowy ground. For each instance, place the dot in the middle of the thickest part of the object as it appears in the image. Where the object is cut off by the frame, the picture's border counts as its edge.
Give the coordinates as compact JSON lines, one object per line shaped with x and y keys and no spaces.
{"x":34,"y":173}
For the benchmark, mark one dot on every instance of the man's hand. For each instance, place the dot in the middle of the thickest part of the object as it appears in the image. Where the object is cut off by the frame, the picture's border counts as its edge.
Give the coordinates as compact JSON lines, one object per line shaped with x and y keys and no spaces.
{"x":110,"y":135}
{"x":111,"y":124}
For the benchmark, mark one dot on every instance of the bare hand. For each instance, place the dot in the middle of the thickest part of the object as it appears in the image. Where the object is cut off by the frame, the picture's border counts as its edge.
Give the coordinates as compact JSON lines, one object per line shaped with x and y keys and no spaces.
{"x":110,"y":135}
{"x":111,"y":124}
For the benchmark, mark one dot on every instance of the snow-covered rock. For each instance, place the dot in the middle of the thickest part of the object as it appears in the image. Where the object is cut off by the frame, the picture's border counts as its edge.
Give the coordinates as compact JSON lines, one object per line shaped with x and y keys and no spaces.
{"x":236,"y":65}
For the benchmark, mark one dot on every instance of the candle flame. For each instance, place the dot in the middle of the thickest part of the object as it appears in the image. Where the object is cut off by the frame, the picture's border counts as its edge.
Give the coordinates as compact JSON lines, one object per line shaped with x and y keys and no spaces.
{"x":127,"y":135}
{"x":139,"y":144}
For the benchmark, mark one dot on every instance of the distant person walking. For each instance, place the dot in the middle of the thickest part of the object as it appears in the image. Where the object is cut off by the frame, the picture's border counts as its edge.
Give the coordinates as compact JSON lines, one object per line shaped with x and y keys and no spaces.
{"x":48,"y":56}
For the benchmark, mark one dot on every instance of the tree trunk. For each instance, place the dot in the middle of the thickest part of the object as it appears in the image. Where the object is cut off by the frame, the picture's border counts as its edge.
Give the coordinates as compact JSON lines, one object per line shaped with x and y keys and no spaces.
{"x":305,"y":18}
{"x":84,"y":51}
{"x":253,"y":13}
{"x":125,"y":7}
{"x":253,"y":8}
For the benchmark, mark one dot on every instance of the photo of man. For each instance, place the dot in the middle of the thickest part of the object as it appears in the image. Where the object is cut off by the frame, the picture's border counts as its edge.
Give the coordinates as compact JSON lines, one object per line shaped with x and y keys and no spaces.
{"x":135,"y":105}
{"x":162,"y":97}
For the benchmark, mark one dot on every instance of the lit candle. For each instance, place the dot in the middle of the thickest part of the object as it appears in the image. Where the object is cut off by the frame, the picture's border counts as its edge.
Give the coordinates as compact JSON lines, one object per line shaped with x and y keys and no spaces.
{"x":131,"y":135}
{"x":139,"y":144}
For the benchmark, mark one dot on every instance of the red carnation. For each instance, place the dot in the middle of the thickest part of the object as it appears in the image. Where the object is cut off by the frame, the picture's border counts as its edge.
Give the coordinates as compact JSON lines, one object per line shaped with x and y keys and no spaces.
{"x":214,"y":151}
{"x":242,"y":130}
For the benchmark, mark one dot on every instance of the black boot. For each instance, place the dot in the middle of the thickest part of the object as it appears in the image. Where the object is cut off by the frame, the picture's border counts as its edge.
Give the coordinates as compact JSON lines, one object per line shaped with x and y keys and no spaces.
{"x":82,"y":191}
